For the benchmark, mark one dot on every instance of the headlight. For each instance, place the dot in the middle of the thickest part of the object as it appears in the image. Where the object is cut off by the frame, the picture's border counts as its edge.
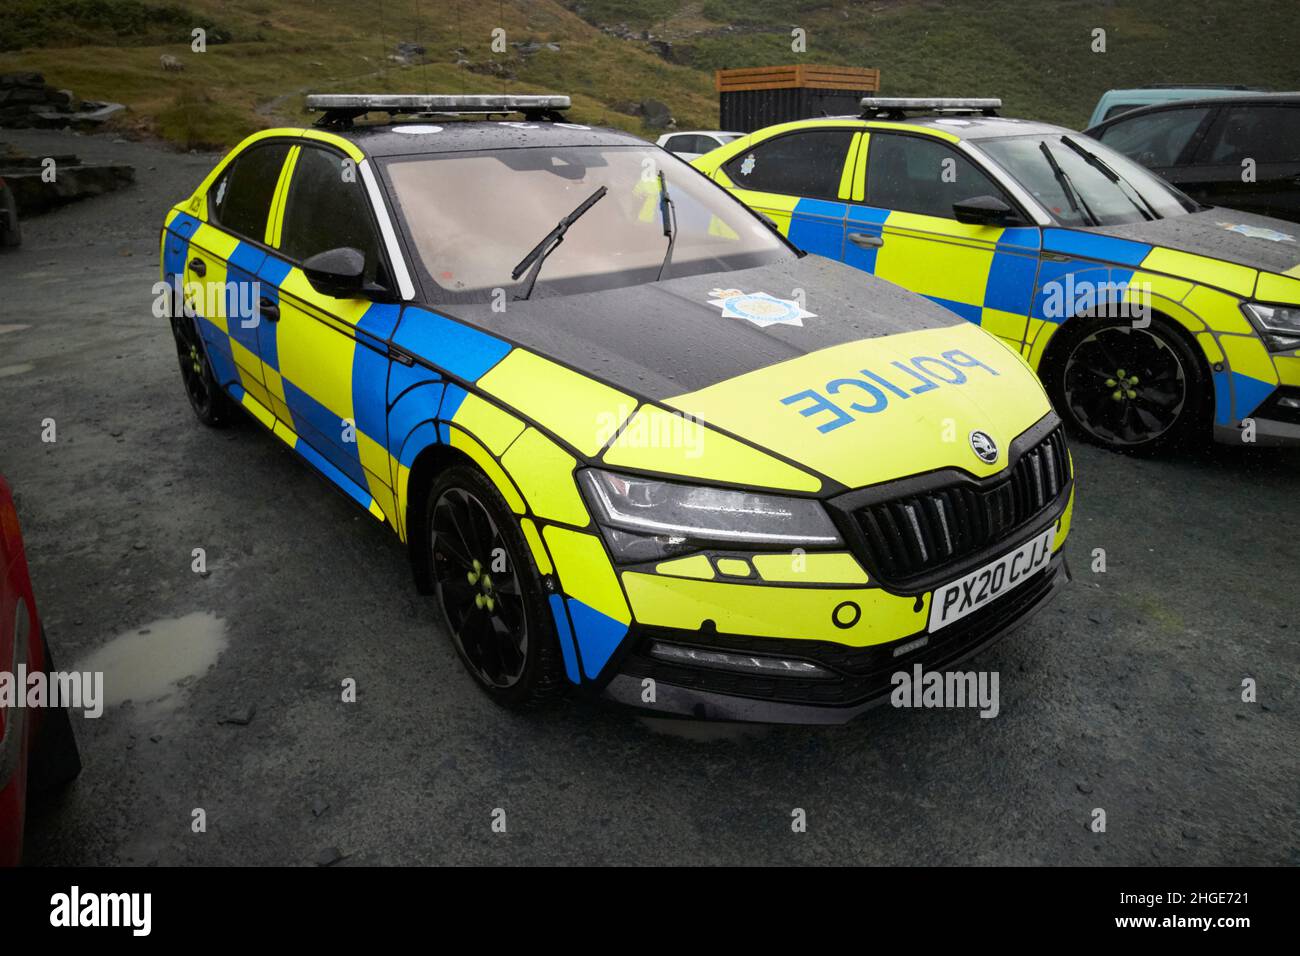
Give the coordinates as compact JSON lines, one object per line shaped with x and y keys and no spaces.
{"x":645,"y":519}
{"x":1279,"y":324}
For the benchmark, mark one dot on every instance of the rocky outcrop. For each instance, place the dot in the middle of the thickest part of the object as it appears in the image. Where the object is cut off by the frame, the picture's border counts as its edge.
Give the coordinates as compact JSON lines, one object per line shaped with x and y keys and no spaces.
{"x":26,"y":102}
{"x":42,"y":183}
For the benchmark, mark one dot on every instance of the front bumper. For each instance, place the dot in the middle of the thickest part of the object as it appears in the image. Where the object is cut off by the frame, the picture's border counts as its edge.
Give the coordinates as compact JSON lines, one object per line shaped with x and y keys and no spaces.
{"x":861,"y":675}
{"x":1275,"y":422}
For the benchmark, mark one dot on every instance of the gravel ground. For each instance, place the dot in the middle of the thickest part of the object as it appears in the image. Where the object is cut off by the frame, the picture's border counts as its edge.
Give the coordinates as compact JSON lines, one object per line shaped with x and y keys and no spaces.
{"x":1123,"y":695}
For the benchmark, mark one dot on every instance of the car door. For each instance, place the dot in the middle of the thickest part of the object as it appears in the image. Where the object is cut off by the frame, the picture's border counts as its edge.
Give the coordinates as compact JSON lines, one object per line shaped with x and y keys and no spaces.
{"x":1166,"y":142}
{"x":1250,"y":160}
{"x":224,"y":260}
{"x":797,"y":179}
{"x":905,"y":231}
{"x":327,"y":357}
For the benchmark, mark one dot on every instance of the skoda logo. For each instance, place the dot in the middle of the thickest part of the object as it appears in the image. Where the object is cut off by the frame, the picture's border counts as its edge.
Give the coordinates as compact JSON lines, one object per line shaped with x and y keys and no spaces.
{"x":984,"y":446}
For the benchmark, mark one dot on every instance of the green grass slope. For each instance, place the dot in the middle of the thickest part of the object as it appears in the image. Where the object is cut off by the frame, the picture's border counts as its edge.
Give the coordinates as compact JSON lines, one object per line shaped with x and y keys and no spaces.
{"x":1035,"y":54}
{"x":263,"y":55}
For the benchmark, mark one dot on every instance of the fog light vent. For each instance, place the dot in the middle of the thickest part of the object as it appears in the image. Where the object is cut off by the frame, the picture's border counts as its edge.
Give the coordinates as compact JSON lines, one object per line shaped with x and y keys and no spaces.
{"x":739,"y":663}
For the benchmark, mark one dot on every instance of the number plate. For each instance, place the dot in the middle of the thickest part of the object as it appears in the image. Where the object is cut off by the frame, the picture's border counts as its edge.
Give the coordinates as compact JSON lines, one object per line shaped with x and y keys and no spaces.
{"x":954,"y":601}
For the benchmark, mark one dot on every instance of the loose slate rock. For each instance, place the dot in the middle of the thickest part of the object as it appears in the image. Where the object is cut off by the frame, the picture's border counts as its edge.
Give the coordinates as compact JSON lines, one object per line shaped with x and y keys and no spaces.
{"x":242,"y":717}
{"x":328,"y":856}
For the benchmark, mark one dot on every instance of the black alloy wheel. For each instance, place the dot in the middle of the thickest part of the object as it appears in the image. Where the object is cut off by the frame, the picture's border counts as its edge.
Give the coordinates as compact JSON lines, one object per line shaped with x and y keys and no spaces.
{"x":490,"y":591}
{"x":1130,"y":387}
{"x":211,"y":404}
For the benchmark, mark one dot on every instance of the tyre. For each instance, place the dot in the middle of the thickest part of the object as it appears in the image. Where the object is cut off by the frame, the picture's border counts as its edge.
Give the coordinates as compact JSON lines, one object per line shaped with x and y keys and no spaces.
{"x":55,"y":759}
{"x":1130,"y":388}
{"x":210,"y":402}
{"x":492,"y":596}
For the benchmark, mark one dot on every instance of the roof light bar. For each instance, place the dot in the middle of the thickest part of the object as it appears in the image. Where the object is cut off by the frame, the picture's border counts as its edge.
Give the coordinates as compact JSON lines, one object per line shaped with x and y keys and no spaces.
{"x":436,"y":102}
{"x":930,"y":103}
{"x":874,"y":106}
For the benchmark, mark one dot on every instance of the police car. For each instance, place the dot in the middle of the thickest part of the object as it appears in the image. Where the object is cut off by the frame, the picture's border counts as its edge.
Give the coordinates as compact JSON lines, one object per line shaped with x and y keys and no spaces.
{"x":634,"y":441}
{"x":1150,"y":319}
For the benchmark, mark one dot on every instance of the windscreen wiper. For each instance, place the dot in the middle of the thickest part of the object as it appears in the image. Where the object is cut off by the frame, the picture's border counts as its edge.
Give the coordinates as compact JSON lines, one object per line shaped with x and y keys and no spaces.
{"x":1072,"y":197}
{"x":548,"y":245}
{"x":1099,"y":164}
{"x":669,"y":212}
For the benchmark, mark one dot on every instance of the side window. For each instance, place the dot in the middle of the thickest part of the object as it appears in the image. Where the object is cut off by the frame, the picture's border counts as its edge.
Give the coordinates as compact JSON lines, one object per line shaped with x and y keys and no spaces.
{"x":1156,"y":140}
{"x":241,"y":197}
{"x":807,"y":163}
{"x":1266,"y":134}
{"x":921,"y":175}
{"x":327,"y":208}
{"x":680,"y":144}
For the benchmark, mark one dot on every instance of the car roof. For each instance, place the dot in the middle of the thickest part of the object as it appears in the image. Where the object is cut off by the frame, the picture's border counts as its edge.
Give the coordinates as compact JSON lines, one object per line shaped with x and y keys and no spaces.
{"x":1175,"y":89}
{"x":1234,"y":99}
{"x":961,"y":125}
{"x":432,"y":135}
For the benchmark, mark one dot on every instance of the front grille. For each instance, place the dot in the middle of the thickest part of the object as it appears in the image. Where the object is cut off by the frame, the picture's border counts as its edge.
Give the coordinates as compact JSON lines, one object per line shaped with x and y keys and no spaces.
{"x":919,"y":534}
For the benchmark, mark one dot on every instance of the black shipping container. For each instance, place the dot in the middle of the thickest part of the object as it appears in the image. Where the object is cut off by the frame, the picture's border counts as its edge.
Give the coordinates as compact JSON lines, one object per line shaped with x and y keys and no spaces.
{"x":754,"y":97}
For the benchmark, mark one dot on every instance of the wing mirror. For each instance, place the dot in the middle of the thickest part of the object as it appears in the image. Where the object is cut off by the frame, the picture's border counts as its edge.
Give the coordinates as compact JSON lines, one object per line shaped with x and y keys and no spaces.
{"x":986,"y":211}
{"x":339,"y":273}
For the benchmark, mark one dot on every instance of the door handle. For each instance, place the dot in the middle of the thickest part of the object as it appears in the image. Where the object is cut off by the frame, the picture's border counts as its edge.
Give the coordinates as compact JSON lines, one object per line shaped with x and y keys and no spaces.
{"x":269,"y":309}
{"x":198,"y":266}
{"x":865,"y":240}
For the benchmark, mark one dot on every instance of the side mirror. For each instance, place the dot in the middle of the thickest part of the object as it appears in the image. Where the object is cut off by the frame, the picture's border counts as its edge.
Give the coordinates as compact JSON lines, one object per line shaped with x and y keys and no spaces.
{"x":985,"y":211}
{"x":339,"y":273}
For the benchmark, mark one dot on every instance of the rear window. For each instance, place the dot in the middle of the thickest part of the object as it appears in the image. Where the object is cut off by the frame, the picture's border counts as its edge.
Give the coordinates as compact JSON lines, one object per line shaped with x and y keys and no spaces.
{"x":241,"y":196}
{"x":807,"y":163}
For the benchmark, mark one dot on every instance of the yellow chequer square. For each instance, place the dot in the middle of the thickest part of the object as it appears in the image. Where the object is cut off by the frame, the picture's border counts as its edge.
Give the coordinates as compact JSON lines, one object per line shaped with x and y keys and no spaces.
{"x":1007,"y":325}
{"x":316,"y":358}
{"x":958,"y":273}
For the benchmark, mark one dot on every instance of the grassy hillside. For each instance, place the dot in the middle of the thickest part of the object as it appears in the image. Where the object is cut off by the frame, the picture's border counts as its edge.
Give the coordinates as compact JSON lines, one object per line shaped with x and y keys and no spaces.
{"x":1036,"y":54}
{"x":264,"y":54}
{"x":280,"y":49}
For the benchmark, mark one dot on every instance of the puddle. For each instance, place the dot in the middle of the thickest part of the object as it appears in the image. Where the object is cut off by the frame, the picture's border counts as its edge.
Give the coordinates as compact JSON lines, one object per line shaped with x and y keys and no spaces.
{"x":704,"y":731}
{"x":12,"y":328}
{"x":150,"y":664}
{"x":8,"y":370}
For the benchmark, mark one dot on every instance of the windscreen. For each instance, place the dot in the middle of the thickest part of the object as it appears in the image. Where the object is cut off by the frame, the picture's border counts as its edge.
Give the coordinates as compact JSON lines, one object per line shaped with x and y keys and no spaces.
{"x":1077,"y":191}
{"x":472,"y":217}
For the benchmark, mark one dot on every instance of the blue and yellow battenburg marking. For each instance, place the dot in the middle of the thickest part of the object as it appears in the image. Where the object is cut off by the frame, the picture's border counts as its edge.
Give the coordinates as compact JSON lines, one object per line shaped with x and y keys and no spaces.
{"x":1009,"y":280}
{"x":329,"y":390}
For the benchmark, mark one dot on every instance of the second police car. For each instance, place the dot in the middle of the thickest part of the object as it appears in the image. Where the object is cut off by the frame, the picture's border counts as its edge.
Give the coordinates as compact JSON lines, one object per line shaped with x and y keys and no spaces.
{"x":634,"y":441}
{"x":1150,"y":319}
